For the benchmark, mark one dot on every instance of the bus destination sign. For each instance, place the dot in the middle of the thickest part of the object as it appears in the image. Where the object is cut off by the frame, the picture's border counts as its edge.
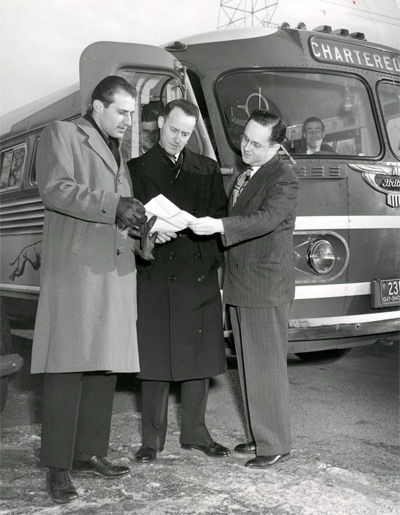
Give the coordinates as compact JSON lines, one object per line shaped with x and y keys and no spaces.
{"x":347,"y":53}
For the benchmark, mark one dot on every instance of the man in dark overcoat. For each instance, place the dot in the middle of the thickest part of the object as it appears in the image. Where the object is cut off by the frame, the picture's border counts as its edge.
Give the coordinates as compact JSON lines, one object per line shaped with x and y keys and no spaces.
{"x":259,"y":284}
{"x":180,"y":331}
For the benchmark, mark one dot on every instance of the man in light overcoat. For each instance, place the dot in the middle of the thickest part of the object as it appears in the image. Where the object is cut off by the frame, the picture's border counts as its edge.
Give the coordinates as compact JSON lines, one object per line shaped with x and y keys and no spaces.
{"x":85,"y":329}
{"x":259,"y":284}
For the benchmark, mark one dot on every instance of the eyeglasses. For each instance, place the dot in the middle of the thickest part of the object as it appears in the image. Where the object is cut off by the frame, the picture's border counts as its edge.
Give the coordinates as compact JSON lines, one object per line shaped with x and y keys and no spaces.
{"x":244,"y":139}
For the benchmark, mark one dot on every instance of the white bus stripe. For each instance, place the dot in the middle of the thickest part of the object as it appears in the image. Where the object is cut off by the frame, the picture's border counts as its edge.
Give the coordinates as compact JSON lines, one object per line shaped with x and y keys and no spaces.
{"x":323,"y":291}
{"x":346,"y":222}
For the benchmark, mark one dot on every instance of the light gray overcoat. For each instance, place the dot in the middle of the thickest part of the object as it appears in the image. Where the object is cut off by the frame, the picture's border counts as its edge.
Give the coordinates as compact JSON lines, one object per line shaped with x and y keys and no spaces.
{"x":87,"y":313}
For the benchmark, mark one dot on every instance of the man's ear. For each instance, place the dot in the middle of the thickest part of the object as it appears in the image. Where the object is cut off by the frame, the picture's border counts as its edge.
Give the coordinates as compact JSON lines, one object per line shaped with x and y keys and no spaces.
{"x":160,"y":122}
{"x":275,"y":147}
{"x":98,"y":106}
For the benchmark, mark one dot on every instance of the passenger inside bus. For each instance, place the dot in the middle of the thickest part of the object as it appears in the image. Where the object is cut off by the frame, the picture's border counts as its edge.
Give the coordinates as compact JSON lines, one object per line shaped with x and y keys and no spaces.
{"x":149,"y":126}
{"x":313,"y":138}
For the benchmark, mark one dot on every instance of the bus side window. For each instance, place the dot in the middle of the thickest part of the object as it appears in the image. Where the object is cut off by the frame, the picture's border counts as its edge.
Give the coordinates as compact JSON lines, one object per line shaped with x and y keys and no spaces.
{"x":12,"y":167}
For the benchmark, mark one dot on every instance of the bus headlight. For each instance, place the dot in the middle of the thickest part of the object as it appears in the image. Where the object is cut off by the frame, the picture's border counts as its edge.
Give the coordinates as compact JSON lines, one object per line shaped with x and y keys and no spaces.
{"x":321,"y":257}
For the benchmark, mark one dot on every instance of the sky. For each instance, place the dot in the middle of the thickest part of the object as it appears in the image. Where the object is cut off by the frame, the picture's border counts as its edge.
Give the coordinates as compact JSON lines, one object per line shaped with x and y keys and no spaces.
{"x":41,"y":40}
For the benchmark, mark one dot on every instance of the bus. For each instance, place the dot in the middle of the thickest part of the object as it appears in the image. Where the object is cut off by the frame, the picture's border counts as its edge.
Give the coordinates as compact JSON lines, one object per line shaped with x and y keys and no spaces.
{"x":346,"y":241}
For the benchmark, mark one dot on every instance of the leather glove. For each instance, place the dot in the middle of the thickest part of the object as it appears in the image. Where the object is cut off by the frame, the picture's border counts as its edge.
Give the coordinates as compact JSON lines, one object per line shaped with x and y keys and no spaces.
{"x":145,"y":245}
{"x":132,"y":214}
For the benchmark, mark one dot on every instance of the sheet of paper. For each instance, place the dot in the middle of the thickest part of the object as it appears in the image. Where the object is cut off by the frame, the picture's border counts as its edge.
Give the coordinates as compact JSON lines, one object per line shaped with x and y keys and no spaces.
{"x":169,"y":216}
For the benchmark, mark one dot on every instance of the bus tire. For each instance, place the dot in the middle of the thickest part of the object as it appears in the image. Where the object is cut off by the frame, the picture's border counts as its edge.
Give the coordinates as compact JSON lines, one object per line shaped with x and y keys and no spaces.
{"x":5,"y":348}
{"x":330,"y":354}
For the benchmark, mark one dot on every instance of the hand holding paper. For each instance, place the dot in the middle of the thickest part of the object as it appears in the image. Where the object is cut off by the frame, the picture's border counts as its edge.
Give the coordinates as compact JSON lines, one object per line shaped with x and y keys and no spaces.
{"x":169,"y":217}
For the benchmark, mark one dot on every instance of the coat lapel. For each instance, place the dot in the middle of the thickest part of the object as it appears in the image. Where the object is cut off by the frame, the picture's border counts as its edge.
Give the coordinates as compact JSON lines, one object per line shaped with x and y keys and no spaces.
{"x":157,"y":170}
{"x":262,"y":177}
{"x":98,"y":144}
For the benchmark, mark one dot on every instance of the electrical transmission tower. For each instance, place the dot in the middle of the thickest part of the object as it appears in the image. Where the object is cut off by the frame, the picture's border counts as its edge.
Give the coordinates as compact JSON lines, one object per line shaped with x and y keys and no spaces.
{"x":246,"y":13}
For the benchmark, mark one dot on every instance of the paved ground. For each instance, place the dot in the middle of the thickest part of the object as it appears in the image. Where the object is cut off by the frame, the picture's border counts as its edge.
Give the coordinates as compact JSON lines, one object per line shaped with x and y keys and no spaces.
{"x":345,"y":458}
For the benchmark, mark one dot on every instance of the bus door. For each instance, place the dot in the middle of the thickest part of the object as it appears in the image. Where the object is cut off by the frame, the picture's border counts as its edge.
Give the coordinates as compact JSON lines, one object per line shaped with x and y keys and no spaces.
{"x":158,"y":78}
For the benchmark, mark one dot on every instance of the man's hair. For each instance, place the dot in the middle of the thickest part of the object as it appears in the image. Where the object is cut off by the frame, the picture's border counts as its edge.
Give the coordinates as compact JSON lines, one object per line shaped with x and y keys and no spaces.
{"x":267,"y":119}
{"x":106,"y":89}
{"x":151,"y":111}
{"x":313,"y":119}
{"x":149,"y":116}
{"x":187,"y":107}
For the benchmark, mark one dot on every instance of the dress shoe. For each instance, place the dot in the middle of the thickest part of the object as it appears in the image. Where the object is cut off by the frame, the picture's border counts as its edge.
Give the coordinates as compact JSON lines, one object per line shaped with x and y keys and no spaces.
{"x":261,"y":462}
{"x":213,"y":449}
{"x":246,"y":448}
{"x":101,"y":467}
{"x":146,"y":455}
{"x":61,"y":488}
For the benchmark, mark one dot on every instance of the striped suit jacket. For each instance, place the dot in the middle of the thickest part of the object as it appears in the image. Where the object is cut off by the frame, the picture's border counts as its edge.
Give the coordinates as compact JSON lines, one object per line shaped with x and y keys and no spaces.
{"x":259,"y":236}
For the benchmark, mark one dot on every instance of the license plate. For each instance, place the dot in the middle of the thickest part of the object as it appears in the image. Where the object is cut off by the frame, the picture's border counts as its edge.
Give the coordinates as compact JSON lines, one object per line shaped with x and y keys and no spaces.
{"x":385,"y":293}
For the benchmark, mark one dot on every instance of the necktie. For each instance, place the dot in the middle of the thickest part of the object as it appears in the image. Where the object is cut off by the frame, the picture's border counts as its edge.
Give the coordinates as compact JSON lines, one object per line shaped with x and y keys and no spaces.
{"x":241,"y":182}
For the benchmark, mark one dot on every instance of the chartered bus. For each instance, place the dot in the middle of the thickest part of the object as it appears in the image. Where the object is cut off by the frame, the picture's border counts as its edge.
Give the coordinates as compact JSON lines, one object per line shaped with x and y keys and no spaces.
{"x":346,"y":240}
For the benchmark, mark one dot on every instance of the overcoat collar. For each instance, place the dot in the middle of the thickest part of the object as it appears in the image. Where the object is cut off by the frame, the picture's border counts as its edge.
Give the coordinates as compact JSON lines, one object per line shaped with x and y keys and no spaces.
{"x":158,"y":169}
{"x":98,"y":144}
{"x":264,"y":175}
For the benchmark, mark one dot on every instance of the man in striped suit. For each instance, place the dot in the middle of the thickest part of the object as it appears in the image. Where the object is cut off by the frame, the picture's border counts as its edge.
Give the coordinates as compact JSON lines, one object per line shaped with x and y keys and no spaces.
{"x":259,"y":284}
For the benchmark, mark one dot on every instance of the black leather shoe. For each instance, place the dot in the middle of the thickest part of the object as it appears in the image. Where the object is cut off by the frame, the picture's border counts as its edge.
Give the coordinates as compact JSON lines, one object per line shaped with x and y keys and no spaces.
{"x":246,"y":448}
{"x":213,"y":449}
{"x":146,"y":455}
{"x":101,"y":467}
{"x":261,"y":462}
{"x":61,"y":488}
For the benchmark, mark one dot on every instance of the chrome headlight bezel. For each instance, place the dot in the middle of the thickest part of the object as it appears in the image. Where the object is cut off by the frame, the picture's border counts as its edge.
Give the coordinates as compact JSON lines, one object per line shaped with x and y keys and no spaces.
{"x":321,"y":257}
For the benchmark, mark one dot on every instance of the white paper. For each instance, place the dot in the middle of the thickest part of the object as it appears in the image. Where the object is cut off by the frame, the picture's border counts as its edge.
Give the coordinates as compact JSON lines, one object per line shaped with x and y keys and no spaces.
{"x":169,"y":217}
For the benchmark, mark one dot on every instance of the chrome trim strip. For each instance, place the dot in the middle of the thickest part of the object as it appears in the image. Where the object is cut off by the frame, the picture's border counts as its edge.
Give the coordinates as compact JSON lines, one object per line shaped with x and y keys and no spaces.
{"x":350,"y":319}
{"x":19,"y":288}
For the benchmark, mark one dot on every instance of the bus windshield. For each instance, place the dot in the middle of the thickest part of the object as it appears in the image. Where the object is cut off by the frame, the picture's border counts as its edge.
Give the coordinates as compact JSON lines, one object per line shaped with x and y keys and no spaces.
{"x":324,"y":113}
{"x":389,"y":97}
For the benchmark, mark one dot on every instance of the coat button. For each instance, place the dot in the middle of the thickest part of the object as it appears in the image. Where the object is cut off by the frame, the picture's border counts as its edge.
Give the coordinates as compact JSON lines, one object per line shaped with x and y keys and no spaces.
{"x":172,"y":277}
{"x":118,"y":252}
{"x":103,"y":211}
{"x":200,"y":278}
{"x":171,"y":255}
{"x":197,"y":255}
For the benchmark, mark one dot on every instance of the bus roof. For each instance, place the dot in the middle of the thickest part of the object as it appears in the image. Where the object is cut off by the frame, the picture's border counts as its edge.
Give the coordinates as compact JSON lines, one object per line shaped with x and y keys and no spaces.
{"x":41,"y":111}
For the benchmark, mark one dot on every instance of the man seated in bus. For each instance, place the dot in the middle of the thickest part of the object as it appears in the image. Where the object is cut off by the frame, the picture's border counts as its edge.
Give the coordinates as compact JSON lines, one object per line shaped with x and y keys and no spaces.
{"x":149,"y":128}
{"x":313,"y":138}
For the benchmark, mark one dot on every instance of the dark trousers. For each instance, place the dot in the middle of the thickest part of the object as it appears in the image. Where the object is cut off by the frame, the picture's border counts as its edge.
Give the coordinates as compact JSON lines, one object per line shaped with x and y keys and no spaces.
{"x":155,"y":395}
{"x":77,"y":409}
{"x":260,"y":336}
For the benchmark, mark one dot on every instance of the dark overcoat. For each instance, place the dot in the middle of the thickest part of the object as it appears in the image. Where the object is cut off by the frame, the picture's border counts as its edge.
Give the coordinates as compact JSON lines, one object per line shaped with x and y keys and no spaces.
{"x":180,"y":329}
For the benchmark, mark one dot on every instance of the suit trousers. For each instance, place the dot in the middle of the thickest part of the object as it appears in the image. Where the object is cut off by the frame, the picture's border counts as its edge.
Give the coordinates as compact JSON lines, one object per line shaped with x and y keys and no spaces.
{"x":155,"y":396}
{"x":77,"y":409}
{"x":260,"y":336}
